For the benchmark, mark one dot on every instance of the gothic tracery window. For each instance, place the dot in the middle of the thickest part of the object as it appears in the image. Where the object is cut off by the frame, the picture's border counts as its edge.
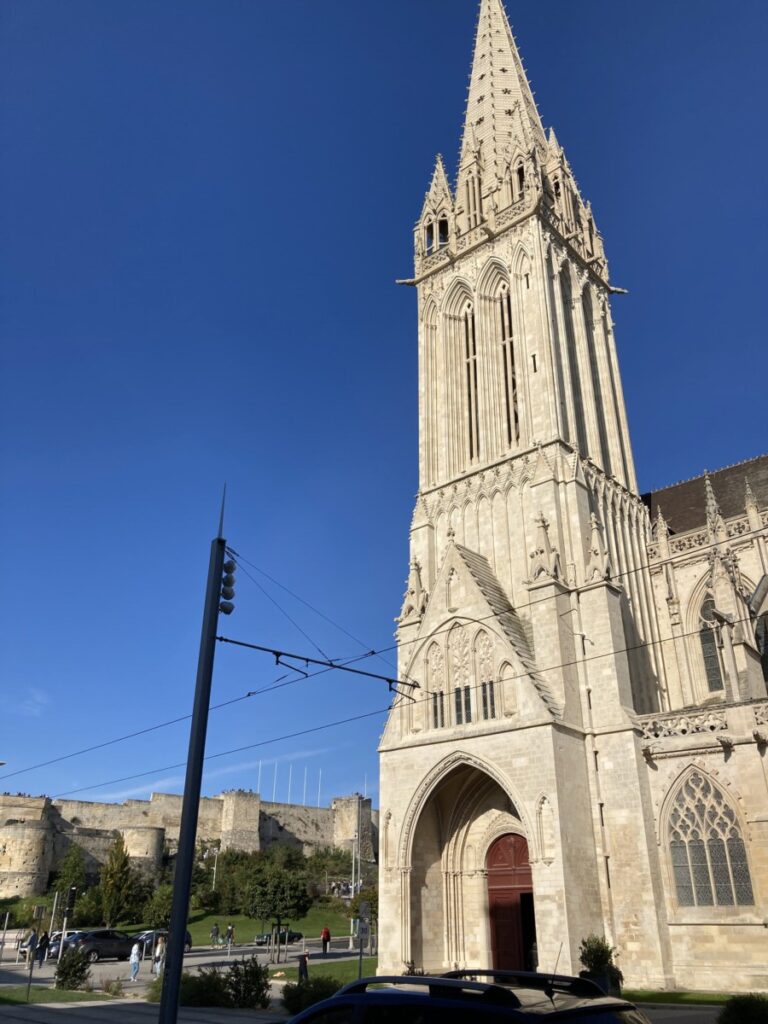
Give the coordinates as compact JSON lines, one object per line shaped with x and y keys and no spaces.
{"x":442,"y":232}
{"x":709,"y":858}
{"x":436,"y":680}
{"x":709,"y":637}
{"x":508,"y":359}
{"x":470,"y":367}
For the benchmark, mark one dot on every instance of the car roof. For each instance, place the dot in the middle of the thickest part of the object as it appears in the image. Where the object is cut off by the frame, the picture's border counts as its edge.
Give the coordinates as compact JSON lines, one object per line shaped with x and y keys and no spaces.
{"x":528,"y":998}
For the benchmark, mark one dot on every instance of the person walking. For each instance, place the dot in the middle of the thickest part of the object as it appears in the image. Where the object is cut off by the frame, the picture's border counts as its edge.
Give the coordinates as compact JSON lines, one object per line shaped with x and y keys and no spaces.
{"x":31,"y":945}
{"x":214,"y":936}
{"x":229,"y":937}
{"x":42,"y":948}
{"x":325,"y":937}
{"x":159,"y":965}
{"x":135,"y":960}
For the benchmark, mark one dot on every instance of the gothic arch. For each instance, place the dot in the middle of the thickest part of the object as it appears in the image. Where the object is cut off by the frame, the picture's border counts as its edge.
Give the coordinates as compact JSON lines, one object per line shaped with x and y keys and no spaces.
{"x":457,"y":297}
{"x":493,"y":275}
{"x":432,"y":780}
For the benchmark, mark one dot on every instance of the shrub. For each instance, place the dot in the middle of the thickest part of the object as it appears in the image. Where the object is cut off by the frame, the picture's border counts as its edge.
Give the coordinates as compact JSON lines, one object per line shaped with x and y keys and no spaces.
{"x":748,"y":1009}
{"x":306,"y":993}
{"x":248,"y":984}
{"x":113,"y":987}
{"x":208,"y":988}
{"x":72,"y":971}
{"x":207,"y":900}
{"x":596,"y":954}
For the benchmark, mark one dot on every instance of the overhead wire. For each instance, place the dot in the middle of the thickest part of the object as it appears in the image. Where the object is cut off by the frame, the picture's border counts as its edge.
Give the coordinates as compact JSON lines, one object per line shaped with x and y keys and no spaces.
{"x":372,"y":652}
{"x":427,"y":697}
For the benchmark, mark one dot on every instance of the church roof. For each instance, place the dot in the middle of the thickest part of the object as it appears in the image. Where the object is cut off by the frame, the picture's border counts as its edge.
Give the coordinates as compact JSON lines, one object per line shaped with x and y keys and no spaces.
{"x":684,"y":505}
{"x":509,"y":621}
{"x":500,"y":104}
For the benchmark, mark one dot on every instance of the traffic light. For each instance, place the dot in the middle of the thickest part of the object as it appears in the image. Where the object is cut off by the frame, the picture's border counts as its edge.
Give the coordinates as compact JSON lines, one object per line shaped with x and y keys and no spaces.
{"x":70,"y":904}
{"x":228,"y":587}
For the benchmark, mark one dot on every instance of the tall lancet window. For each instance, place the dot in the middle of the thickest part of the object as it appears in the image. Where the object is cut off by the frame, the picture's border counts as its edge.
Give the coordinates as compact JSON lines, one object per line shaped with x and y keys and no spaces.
{"x":474,"y":202}
{"x":709,"y":857}
{"x":508,"y":359}
{"x":709,"y":637}
{"x":594,"y":369}
{"x":470,"y":370}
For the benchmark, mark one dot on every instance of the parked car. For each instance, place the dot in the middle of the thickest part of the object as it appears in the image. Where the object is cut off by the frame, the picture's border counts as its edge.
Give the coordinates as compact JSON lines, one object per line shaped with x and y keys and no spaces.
{"x":53,"y":948}
{"x":149,"y":938}
{"x":101,"y":944}
{"x":285,"y":935}
{"x":56,"y":939}
{"x":456,"y":1000}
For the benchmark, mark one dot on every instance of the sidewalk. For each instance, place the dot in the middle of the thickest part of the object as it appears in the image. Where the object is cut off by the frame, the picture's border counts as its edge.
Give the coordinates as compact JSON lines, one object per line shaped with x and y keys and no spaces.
{"x":132,"y":1011}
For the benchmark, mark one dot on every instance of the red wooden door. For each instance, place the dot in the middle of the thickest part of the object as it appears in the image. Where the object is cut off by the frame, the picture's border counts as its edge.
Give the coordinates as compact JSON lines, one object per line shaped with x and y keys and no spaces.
{"x":509,"y":878}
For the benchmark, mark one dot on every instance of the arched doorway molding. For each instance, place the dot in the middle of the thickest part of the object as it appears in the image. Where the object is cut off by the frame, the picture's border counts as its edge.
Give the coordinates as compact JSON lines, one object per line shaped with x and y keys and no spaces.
{"x":431,"y":781}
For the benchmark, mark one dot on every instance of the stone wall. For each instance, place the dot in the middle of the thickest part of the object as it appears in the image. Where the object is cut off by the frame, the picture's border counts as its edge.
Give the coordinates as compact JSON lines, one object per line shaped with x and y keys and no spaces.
{"x":36,"y":832}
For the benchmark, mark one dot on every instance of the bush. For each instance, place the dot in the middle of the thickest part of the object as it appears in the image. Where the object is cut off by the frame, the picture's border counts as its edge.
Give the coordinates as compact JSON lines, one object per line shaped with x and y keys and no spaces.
{"x":242,"y":986}
{"x":306,"y":993}
{"x":207,"y":900}
{"x":113,"y":987}
{"x":749,"y":1009}
{"x":208,"y":988}
{"x":596,"y":954}
{"x":157,"y":910}
{"x":248,"y":984}
{"x":72,"y":971}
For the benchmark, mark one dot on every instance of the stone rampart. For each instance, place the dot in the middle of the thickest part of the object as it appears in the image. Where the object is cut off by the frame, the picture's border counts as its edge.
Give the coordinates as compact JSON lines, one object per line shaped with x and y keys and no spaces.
{"x":36,"y":832}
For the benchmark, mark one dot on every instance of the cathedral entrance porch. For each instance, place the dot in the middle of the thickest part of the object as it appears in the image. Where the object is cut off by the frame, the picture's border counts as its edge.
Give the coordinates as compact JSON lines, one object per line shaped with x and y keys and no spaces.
{"x":468,"y":890}
{"x":510,"y":905}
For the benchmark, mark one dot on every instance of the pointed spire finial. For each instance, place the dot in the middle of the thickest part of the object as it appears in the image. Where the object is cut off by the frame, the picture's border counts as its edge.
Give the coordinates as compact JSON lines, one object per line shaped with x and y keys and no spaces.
{"x":750,"y":501}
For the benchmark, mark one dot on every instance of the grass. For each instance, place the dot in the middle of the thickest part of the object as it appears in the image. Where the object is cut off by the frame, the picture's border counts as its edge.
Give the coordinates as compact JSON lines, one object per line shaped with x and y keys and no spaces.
{"x":638,"y":995}
{"x":341,"y":970}
{"x":246,"y":927}
{"x":12,"y":994}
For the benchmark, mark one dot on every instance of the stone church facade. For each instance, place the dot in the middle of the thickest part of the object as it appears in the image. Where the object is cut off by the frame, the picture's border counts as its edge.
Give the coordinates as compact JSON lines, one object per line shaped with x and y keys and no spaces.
{"x":586,"y":751}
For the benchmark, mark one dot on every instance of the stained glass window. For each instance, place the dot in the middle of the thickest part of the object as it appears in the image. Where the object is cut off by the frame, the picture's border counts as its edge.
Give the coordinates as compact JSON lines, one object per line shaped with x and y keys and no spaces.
{"x":709,"y":859}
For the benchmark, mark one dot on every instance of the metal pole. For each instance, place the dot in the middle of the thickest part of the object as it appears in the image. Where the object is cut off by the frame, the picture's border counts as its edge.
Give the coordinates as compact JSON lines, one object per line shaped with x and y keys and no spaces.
{"x":63,"y":935}
{"x":53,"y":912}
{"x":215,"y":865}
{"x":5,"y":930}
{"x":174,"y":957}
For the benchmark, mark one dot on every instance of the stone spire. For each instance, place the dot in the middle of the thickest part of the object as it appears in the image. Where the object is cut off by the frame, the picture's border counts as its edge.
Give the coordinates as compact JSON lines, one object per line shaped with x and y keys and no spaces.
{"x":715,"y":523}
{"x":501,"y":110}
{"x":439,"y":191}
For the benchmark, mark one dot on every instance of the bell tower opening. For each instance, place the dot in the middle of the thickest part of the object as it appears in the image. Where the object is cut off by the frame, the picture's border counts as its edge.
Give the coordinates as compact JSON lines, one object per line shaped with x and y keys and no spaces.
{"x":510,"y":905}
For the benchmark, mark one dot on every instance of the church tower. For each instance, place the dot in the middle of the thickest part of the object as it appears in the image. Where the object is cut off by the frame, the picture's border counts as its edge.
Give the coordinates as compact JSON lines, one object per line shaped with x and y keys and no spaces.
{"x":522,"y":803}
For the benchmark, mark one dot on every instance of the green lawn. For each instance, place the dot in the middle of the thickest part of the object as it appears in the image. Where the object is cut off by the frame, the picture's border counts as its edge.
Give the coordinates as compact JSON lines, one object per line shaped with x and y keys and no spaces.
{"x":246,"y":927}
{"x":39,"y":994}
{"x":341,"y":970}
{"x":637,"y":995}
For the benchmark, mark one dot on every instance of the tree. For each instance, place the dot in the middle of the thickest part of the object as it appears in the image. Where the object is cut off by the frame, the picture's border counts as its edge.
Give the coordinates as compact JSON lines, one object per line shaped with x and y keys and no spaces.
{"x":71,"y":871}
{"x":157,"y":912}
{"x":116,"y":882}
{"x":370,"y":896}
{"x":278,"y":895}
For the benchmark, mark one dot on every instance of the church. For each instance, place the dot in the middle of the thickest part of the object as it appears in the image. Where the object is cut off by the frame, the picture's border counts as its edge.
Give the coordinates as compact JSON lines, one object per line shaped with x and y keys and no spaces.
{"x":585,"y":748}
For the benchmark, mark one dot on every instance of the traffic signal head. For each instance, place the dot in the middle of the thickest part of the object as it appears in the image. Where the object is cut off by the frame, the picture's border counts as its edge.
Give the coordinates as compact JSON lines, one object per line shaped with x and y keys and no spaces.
{"x":228,"y":587}
{"x":71,"y":897}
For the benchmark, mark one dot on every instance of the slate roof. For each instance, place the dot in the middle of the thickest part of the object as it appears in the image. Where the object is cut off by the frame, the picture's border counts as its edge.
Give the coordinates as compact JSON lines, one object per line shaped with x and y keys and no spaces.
{"x":683,"y":505}
{"x":510,"y":622}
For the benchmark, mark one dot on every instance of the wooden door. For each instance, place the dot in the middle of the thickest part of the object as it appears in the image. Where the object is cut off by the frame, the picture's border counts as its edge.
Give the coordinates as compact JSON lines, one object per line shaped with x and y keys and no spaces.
{"x":509,"y":877}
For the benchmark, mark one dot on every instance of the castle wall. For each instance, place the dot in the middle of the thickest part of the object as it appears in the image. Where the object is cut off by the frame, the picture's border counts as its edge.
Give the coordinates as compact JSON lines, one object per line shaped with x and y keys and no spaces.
{"x":35,"y":832}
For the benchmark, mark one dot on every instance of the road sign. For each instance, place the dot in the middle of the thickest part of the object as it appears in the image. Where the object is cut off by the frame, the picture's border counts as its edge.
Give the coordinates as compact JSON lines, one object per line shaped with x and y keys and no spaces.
{"x":364,"y":933}
{"x":364,"y":911}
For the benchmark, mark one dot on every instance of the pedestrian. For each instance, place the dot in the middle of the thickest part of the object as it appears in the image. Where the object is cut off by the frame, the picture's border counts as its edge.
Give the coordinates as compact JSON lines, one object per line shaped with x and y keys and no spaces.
{"x":135,"y":960}
{"x":42,"y":948}
{"x":214,"y":936}
{"x":325,"y":937}
{"x":230,"y":934}
{"x":159,"y":965}
{"x":303,"y":967}
{"x":31,"y":945}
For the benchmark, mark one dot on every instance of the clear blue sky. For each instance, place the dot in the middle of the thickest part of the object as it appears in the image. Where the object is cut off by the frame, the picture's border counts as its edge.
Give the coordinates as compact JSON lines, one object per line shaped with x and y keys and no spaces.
{"x":204,"y":205}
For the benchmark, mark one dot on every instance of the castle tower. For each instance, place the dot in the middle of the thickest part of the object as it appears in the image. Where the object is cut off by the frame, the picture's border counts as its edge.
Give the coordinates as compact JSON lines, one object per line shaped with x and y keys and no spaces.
{"x":528,"y":607}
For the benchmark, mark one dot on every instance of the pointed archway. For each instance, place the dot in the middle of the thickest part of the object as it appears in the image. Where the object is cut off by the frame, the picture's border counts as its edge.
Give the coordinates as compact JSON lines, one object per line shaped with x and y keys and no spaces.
{"x":510,"y":904}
